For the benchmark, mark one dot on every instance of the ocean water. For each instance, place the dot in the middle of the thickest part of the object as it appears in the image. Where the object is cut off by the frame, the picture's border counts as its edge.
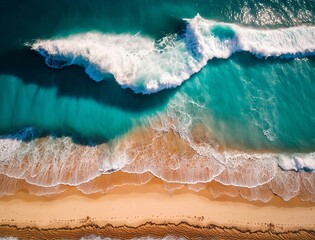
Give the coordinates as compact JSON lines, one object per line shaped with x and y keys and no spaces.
{"x":191,"y":92}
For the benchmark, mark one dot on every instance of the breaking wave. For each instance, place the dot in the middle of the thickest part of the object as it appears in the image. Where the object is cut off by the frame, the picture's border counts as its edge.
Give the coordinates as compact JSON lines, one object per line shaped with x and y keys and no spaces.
{"x":147,"y":66}
{"x":172,"y":149}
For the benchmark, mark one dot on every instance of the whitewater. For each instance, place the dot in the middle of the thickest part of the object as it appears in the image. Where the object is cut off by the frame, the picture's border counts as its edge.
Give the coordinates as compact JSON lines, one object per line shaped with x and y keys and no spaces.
{"x":45,"y":162}
{"x":230,"y":123}
{"x":147,"y":66}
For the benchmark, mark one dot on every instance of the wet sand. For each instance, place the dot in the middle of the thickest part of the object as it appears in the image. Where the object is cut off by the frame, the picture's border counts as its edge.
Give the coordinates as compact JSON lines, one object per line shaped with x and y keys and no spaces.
{"x":149,"y":210}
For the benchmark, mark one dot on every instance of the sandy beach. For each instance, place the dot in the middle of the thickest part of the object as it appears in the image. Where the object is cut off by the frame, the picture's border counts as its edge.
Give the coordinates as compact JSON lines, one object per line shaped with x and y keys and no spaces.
{"x":149,"y":210}
{"x":167,"y":120}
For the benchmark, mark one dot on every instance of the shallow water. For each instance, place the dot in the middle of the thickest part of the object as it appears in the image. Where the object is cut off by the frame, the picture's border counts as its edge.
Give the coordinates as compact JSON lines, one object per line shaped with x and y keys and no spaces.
{"x":231,"y":90}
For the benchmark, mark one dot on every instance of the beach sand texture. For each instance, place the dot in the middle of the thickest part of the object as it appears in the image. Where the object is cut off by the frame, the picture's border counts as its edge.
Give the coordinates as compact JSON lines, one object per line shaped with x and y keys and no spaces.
{"x":149,"y":210}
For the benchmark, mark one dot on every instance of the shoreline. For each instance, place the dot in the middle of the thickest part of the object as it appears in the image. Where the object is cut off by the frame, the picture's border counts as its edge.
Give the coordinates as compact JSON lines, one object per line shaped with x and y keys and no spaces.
{"x":150,"y":229}
{"x":149,"y":210}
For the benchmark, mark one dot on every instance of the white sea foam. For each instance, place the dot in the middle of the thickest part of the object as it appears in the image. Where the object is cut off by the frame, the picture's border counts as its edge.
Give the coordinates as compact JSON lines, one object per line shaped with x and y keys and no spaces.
{"x":200,"y":161}
{"x":174,"y":148}
{"x":47,"y":162}
{"x":148,"y":66}
{"x":297,"y":162}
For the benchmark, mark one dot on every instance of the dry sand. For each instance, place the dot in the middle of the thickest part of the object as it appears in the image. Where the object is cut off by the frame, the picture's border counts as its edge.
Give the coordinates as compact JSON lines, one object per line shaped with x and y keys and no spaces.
{"x":127,"y":212}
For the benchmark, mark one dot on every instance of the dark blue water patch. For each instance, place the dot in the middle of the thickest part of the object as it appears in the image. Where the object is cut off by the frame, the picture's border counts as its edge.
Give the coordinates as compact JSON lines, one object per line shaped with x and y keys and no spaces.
{"x":28,"y":134}
{"x":24,"y":134}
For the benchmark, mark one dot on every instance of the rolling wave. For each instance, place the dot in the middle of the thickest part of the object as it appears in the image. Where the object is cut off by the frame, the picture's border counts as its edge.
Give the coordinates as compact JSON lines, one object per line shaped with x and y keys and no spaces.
{"x":147,"y":66}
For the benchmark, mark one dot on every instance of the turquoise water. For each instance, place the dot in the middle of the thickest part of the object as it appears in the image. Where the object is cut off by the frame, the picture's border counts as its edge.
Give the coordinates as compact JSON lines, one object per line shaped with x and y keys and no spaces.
{"x":97,"y":70}
{"x":67,"y":101}
{"x":247,"y":97}
{"x":259,"y":103}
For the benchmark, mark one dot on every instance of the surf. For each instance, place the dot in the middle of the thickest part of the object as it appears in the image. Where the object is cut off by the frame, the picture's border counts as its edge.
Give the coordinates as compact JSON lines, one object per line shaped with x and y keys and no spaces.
{"x":43,"y":164}
{"x":148,"y":66}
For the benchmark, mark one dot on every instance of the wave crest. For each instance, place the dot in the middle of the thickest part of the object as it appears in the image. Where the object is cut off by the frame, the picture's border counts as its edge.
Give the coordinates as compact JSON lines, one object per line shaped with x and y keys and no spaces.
{"x":147,"y":66}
